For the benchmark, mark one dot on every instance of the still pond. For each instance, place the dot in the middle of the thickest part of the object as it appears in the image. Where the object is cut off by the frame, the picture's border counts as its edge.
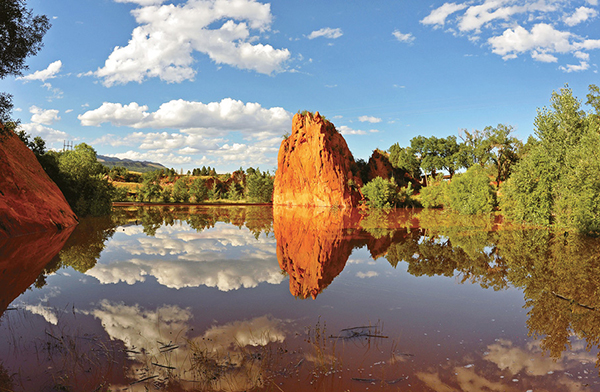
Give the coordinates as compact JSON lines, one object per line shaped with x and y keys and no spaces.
{"x":276,"y":299}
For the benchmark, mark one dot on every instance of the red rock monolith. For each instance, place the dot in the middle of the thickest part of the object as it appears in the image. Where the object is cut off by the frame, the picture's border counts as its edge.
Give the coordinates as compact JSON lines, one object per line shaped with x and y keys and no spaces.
{"x":315,"y":166}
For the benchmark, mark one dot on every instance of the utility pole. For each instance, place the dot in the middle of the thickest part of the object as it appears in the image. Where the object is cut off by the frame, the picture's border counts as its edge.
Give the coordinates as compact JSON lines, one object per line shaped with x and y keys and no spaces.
{"x":67,"y":145}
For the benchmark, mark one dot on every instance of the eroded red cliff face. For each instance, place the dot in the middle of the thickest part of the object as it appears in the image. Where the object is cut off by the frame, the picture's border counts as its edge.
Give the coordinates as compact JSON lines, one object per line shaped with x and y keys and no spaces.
{"x":380,"y":166}
{"x":315,"y":166}
{"x":313,"y":245}
{"x":30,"y":201}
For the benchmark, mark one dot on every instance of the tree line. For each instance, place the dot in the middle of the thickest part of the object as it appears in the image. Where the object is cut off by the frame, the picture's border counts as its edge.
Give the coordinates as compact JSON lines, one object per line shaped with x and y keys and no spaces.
{"x":552,"y":179}
{"x":88,"y":186}
{"x":250,"y":185}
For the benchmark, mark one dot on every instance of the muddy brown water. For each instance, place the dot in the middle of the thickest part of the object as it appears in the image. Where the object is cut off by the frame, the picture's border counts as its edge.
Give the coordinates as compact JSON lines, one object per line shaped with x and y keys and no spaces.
{"x":239,"y":298}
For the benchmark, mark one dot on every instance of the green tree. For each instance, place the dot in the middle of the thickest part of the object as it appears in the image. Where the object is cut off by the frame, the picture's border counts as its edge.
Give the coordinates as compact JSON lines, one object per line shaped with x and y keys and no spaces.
{"x":505,"y":150}
{"x":527,"y":195}
{"x":213,"y":192}
{"x":165,"y":195}
{"x":198,"y":190}
{"x":548,"y":181}
{"x":578,"y":190}
{"x":436,"y":154}
{"x":181,"y":192}
{"x":84,"y":183}
{"x":235,"y":191}
{"x":405,"y":159}
{"x":151,"y":188}
{"x":434,"y":194}
{"x":475,"y":148}
{"x":21,"y":36}
{"x":471,"y":192}
{"x":260,"y":187}
{"x":118,"y":173}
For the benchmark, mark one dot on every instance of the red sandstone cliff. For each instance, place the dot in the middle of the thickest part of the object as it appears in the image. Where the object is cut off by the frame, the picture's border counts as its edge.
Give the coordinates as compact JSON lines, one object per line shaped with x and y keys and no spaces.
{"x":313,"y":245}
{"x":30,"y":201}
{"x":315,"y":166}
{"x":380,"y":166}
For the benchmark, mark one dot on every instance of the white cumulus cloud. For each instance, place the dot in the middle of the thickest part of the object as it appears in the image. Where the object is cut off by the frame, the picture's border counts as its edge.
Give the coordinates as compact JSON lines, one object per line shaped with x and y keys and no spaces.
{"x":582,"y":66}
{"x":370,"y":119}
{"x":368,"y":274}
{"x":515,"y":27}
{"x":326,"y":32}
{"x":408,"y":38}
{"x":168,"y":35}
{"x":45,"y":74}
{"x":45,"y":117}
{"x":580,"y":15}
{"x":542,"y":37}
{"x":438,"y":16}
{"x":345,"y":130}
{"x":224,"y":116}
{"x":142,"y":2}
{"x":223,"y":257}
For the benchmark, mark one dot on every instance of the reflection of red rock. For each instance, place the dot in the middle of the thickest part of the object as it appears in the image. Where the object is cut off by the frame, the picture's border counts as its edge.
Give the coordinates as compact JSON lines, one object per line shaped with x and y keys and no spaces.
{"x":313,"y":245}
{"x":29,"y":201}
{"x":23,"y":258}
{"x":315,"y":166}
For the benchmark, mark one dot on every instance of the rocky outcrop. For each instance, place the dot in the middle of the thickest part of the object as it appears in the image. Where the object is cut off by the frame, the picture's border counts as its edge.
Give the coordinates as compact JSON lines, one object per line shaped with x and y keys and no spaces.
{"x":380,"y":166}
{"x":30,"y":201}
{"x":313,"y":245}
{"x":315,"y":166}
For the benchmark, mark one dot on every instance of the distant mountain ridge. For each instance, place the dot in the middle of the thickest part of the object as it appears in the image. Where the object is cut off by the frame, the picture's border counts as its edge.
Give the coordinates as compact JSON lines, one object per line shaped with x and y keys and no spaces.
{"x":137,"y":166}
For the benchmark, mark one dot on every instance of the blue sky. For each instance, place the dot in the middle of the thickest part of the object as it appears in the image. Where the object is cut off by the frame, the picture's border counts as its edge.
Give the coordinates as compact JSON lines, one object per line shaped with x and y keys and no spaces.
{"x":189,"y":83}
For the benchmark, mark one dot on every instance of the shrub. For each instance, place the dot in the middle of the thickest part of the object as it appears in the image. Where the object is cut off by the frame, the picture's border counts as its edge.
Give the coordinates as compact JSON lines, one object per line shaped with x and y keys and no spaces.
{"x":405,"y":197}
{"x":527,"y":194}
{"x":471,"y":192}
{"x":380,"y":193}
{"x":578,"y":192}
{"x":435,"y":193}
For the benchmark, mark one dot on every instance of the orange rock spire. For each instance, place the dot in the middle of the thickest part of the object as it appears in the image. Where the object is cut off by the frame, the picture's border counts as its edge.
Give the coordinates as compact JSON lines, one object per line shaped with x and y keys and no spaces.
{"x":315,"y":166}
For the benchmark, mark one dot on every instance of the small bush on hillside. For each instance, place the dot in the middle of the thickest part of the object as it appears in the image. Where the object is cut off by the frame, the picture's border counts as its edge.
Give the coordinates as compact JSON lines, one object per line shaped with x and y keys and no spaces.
{"x":471,"y":192}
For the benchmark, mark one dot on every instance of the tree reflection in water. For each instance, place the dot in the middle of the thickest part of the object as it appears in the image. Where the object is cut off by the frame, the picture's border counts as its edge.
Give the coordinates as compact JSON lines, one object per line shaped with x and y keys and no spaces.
{"x":559,"y":273}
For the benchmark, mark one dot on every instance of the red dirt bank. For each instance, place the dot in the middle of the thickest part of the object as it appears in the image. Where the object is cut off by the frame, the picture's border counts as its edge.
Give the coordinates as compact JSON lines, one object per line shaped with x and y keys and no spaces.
{"x":30,"y":201}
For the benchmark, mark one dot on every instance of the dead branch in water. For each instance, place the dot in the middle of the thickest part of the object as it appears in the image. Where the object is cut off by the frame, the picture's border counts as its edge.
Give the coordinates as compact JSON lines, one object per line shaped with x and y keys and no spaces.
{"x":573,"y":301}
